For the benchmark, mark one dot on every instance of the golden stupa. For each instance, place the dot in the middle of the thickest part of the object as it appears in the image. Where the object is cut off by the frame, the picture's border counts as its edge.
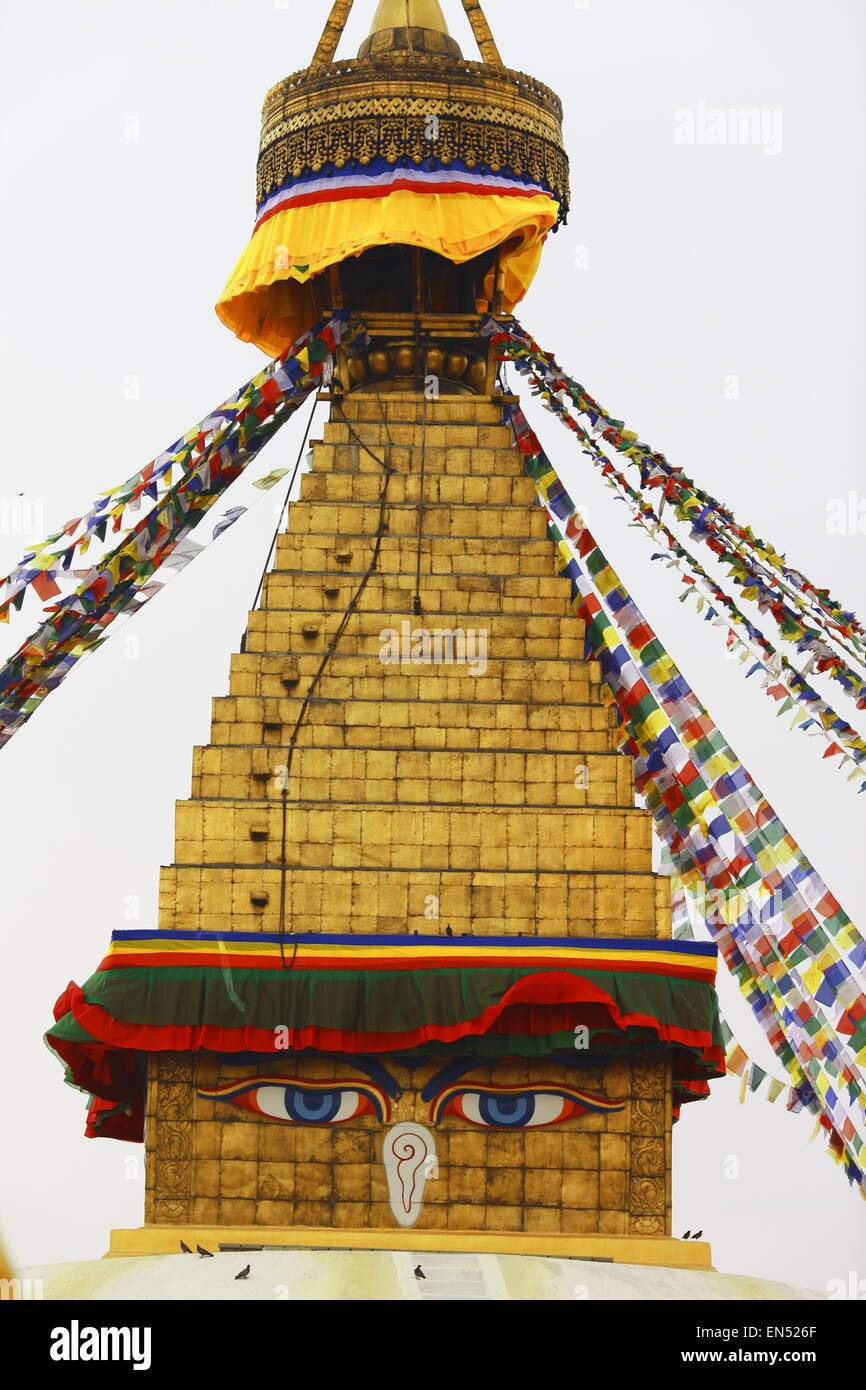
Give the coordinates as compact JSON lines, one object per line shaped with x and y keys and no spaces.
{"x":411,"y":874}
{"x":410,"y":145}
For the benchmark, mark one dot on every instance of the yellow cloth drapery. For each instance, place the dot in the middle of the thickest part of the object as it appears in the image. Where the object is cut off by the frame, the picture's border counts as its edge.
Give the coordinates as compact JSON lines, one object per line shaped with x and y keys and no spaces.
{"x":267,"y":300}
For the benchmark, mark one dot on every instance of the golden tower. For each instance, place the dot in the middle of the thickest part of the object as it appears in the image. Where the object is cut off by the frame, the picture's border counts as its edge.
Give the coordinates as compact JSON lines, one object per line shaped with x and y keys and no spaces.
{"x":413,"y":770}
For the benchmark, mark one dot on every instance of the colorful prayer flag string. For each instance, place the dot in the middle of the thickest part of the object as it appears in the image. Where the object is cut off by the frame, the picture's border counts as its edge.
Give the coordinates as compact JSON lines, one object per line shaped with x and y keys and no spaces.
{"x":797,"y":958}
{"x":791,"y":600}
{"x":782,"y":681}
{"x":211,"y":457}
{"x":737,"y":1060}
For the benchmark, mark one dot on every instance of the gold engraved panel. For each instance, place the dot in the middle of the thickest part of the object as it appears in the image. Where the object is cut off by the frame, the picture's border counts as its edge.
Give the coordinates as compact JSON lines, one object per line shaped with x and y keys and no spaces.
{"x":648,"y":1183}
{"x":369,"y":110}
{"x":173,"y":1099}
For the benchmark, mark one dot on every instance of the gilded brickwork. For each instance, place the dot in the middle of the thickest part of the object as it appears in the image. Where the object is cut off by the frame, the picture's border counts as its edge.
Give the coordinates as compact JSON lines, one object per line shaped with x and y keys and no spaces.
{"x":422,"y":797}
{"x":595,"y":1175}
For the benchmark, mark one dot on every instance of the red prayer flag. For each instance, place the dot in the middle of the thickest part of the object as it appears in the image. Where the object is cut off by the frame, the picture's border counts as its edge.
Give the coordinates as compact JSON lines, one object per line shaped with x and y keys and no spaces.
{"x":45,"y":586}
{"x":271,"y":392}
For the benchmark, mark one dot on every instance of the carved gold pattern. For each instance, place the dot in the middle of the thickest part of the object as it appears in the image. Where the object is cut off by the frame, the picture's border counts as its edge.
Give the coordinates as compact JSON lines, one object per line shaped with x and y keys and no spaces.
{"x":173,"y":1152}
{"x":362,"y":138}
{"x":649,"y":1079}
{"x":648,"y":1186}
{"x":397,"y":107}
{"x":383,"y":110}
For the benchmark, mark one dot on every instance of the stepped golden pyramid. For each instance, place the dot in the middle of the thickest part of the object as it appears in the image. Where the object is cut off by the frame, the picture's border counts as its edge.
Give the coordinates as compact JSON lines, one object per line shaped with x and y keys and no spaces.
{"x":422,"y":797}
{"x":415,"y":778}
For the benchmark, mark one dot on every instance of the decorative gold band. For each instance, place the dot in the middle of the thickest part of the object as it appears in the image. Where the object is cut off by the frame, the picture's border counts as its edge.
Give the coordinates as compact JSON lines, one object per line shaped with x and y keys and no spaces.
{"x":297,"y":115}
{"x":410,"y":117}
{"x":362,"y":139}
{"x":422,"y":73}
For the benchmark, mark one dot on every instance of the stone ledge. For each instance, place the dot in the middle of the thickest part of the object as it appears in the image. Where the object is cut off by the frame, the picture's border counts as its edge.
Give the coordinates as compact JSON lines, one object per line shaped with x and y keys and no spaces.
{"x":662,"y":1251}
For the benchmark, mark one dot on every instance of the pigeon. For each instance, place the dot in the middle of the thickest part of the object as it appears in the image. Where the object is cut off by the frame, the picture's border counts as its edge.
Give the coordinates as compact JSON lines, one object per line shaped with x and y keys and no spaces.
{"x":202,"y":1252}
{"x":419,"y":1273}
{"x":185,"y":1249}
{"x":448,"y":931}
{"x":697,"y":1235}
{"x":243,"y":1274}
{"x":687,"y":1236}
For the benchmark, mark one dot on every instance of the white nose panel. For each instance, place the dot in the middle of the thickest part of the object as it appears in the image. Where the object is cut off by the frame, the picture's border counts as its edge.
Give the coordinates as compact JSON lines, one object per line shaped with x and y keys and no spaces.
{"x":409,"y":1157}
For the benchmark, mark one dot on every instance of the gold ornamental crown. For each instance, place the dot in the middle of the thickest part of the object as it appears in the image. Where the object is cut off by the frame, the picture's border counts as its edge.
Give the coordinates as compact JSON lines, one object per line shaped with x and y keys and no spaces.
{"x":380,"y":106}
{"x":407,"y":149}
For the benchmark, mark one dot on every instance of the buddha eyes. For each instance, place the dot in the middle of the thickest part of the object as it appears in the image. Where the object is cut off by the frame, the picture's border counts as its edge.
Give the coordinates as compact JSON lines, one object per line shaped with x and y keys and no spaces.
{"x":303,"y":1102}
{"x":292,"y":1101}
{"x":514,"y":1107}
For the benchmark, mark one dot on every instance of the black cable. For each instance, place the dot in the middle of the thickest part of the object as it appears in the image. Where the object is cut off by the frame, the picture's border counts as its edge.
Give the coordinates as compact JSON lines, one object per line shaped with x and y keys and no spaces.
{"x":351,"y":608}
{"x":286,"y":502}
{"x":416,"y":602}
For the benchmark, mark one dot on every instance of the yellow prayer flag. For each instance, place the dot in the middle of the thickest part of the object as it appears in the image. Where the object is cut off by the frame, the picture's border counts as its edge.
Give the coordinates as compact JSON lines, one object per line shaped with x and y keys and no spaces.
{"x":736,"y":1060}
{"x":655,"y":722}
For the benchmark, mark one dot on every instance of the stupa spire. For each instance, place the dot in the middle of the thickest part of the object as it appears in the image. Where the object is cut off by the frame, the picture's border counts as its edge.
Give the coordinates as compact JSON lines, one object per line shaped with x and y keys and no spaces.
{"x":422,"y":14}
{"x":408,"y":25}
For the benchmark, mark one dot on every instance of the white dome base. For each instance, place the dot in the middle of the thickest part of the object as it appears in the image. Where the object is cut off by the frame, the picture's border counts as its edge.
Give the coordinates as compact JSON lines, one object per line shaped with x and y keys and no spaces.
{"x":389,"y":1276}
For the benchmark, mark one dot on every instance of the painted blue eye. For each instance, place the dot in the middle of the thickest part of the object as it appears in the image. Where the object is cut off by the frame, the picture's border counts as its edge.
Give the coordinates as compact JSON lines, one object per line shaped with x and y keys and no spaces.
{"x":312,"y":1107}
{"x":293,"y":1102}
{"x":511,"y":1107}
{"x":506,"y":1111}
{"x":507,"y":1108}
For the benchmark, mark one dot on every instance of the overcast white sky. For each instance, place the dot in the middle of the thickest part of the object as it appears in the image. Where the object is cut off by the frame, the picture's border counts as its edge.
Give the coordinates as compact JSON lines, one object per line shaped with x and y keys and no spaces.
{"x":712,"y":296}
